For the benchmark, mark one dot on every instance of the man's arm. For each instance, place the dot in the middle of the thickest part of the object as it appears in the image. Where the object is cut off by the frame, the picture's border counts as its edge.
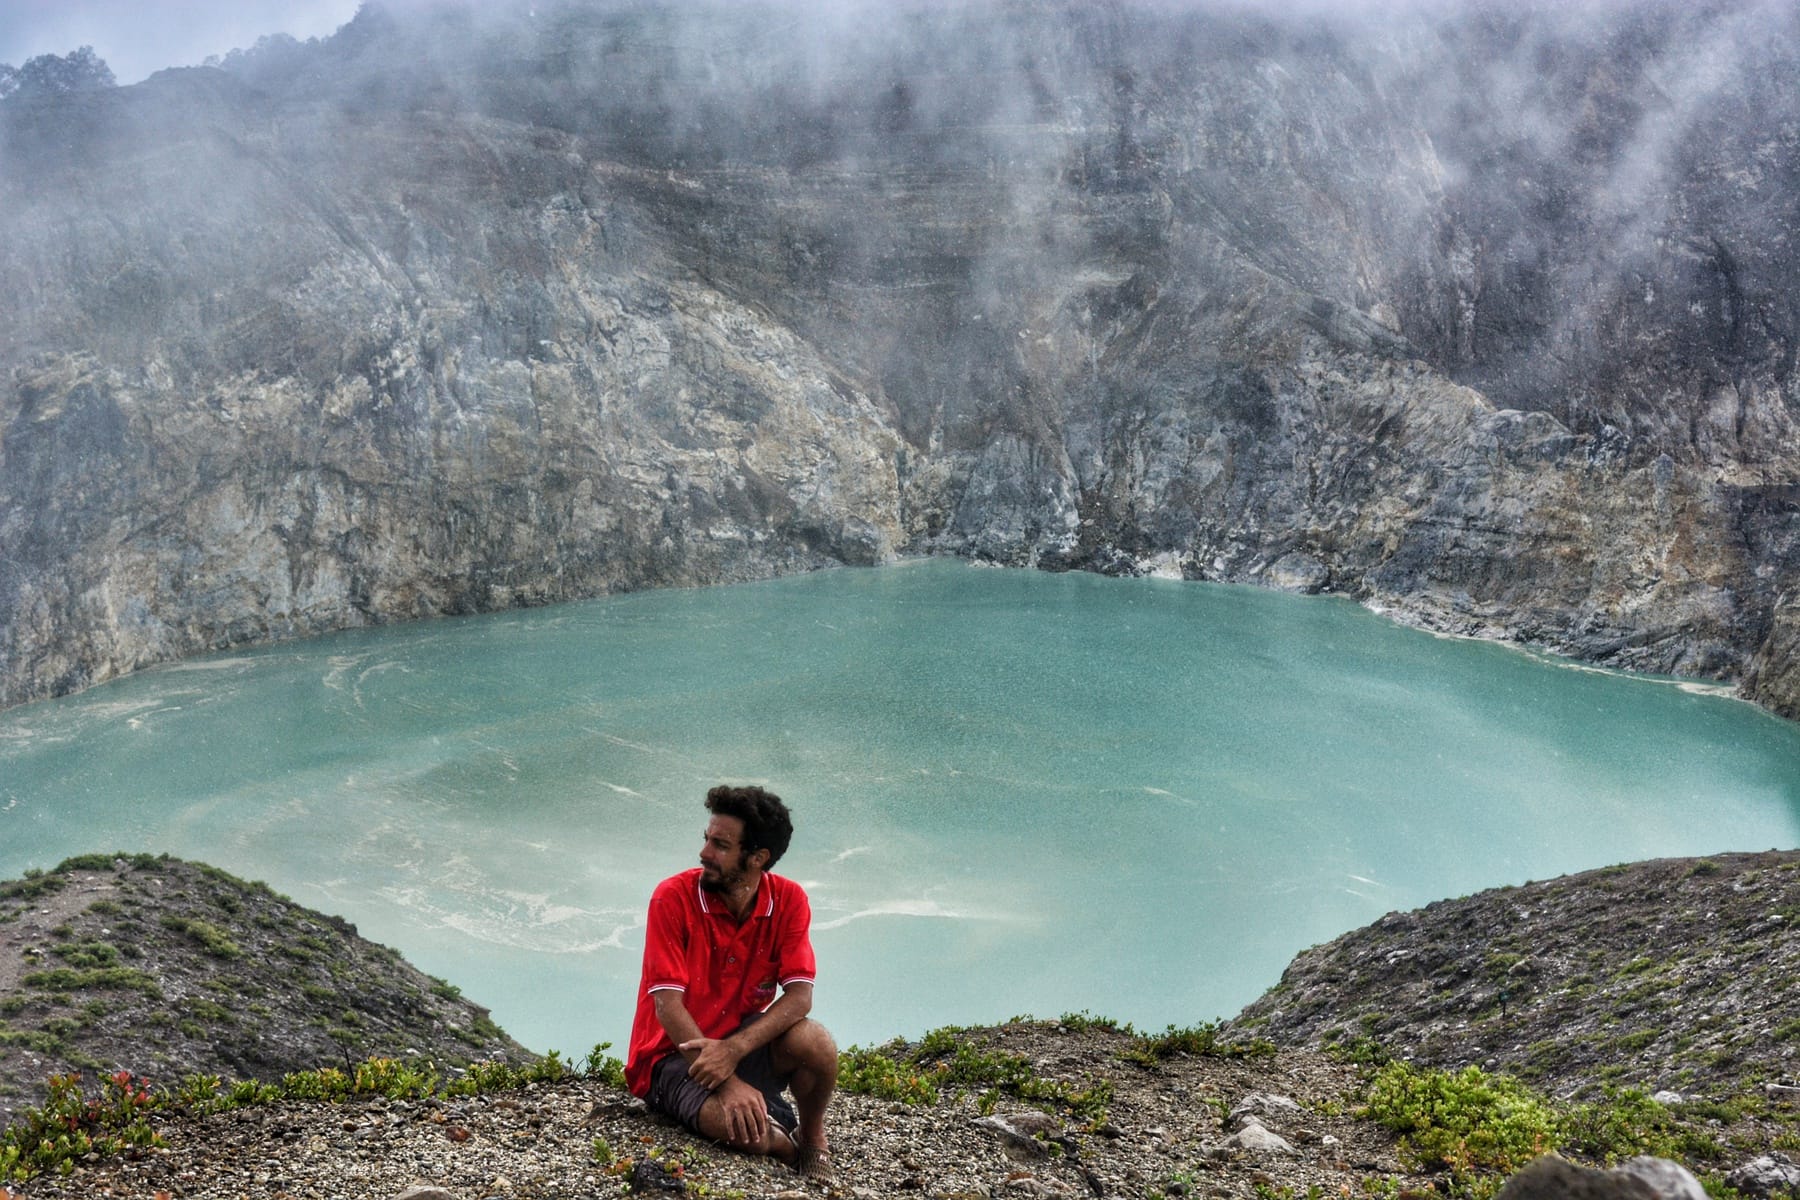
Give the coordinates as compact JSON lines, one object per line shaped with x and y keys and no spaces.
{"x":677,"y":1022}
{"x":711,"y":1061}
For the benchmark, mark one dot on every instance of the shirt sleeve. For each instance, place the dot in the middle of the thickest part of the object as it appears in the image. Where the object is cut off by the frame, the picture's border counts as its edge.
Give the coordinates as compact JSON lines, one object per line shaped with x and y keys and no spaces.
{"x":797,"y":964}
{"x":665,"y":942}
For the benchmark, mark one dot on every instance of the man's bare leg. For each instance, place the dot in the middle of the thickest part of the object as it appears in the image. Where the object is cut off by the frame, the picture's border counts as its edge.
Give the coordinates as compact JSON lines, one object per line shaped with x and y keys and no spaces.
{"x":808,"y":1054}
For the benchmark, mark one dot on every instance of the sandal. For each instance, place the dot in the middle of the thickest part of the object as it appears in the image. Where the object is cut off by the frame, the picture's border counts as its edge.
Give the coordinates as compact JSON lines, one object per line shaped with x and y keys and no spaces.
{"x":813,"y":1162}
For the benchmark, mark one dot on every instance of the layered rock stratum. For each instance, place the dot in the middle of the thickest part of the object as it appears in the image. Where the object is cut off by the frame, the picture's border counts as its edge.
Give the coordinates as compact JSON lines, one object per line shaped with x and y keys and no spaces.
{"x":1482,"y":314}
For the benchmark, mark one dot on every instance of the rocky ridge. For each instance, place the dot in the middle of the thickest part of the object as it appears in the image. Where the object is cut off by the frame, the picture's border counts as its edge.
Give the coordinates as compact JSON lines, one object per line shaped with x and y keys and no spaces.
{"x":1479,"y":314}
{"x":167,"y":969}
{"x":1676,"y":975}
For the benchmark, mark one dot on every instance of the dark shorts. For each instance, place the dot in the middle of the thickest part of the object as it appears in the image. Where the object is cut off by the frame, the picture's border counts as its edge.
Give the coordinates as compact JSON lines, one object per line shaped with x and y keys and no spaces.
{"x":673,"y":1093}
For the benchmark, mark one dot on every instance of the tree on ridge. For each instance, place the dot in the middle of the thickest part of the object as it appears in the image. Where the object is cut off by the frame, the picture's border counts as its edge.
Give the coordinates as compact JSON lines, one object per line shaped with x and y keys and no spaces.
{"x":56,"y":74}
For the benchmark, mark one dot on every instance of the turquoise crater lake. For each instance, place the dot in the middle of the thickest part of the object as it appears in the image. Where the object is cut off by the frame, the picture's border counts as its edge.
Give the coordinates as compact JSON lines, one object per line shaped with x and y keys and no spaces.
{"x":1014,"y":791}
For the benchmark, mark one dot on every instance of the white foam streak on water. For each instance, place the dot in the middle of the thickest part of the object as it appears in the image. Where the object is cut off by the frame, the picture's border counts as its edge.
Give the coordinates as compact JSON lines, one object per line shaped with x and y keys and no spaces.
{"x":893,"y":908}
{"x":227,"y":663}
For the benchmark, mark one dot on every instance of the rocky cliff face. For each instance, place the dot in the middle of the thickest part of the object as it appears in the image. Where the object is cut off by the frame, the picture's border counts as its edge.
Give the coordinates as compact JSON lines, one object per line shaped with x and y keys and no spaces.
{"x":1483,"y":316}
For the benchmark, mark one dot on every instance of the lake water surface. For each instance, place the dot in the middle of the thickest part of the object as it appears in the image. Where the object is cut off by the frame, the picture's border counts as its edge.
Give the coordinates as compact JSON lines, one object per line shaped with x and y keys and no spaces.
{"x":1014,"y":791}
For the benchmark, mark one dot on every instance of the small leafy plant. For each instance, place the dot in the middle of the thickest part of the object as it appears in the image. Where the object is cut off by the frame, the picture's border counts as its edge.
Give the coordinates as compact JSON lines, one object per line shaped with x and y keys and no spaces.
{"x":71,"y":1125}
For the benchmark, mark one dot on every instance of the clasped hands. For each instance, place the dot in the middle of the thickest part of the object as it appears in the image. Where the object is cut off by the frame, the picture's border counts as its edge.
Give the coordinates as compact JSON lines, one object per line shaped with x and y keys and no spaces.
{"x":714,"y":1066}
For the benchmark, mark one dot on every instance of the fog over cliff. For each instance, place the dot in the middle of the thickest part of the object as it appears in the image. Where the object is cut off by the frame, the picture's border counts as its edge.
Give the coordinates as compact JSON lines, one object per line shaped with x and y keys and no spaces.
{"x":1483,"y":313}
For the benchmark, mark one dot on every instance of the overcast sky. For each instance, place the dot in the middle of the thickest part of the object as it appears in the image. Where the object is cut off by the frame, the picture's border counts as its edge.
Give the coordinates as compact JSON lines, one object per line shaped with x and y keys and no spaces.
{"x":137,"y":37}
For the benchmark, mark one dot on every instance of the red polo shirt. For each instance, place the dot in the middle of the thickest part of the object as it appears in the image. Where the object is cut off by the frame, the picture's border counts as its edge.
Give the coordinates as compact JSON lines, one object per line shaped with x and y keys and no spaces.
{"x":727,"y":971}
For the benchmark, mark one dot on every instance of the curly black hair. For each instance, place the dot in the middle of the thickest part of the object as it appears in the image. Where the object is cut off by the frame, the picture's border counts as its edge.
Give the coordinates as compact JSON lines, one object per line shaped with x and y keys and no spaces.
{"x":767,"y":825}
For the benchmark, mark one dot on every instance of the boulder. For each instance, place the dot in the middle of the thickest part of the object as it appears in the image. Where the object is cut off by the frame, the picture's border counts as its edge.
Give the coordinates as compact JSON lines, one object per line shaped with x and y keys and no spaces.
{"x":1766,"y":1174}
{"x":1252,"y":1137}
{"x":1554,"y":1178}
{"x":1262,"y":1105}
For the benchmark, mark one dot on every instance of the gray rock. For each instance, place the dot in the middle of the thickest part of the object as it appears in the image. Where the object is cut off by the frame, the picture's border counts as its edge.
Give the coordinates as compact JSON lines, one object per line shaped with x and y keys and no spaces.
{"x":1023,"y":1131}
{"x":427,"y":1193}
{"x":1031,"y":1185}
{"x":1252,"y":1137}
{"x":648,"y":1175}
{"x":1263,"y":1105}
{"x":1766,"y":1174}
{"x":1667,"y":1180}
{"x":1554,"y":1178}
{"x":1295,"y":572}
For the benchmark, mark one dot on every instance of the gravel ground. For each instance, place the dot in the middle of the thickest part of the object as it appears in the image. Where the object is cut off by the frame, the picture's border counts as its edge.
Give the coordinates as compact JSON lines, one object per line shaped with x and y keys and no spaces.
{"x":1165,"y":1132}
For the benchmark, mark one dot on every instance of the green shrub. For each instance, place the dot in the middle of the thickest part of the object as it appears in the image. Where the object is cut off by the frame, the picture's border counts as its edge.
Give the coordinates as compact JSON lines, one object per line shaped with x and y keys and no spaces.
{"x":65,"y":979}
{"x":395,"y":1079}
{"x":948,"y":1060}
{"x":603,"y":1066}
{"x":206,"y":1010}
{"x":87,"y":955}
{"x":1628,"y":1123}
{"x":1081,"y":1022}
{"x":327,"y":1083}
{"x":211,"y":938}
{"x":882,"y":1073}
{"x":496,"y":1076}
{"x":1199,"y":1040}
{"x":1464,"y":1121}
{"x":35,"y":885}
{"x":85,"y":862}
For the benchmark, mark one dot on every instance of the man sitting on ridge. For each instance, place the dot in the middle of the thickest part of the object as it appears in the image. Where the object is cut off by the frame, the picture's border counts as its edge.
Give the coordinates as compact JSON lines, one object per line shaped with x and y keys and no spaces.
{"x":711,"y":1044}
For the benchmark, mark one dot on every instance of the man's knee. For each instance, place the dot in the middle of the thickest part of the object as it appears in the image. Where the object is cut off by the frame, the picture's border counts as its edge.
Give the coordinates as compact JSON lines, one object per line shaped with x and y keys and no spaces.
{"x":809,"y":1046}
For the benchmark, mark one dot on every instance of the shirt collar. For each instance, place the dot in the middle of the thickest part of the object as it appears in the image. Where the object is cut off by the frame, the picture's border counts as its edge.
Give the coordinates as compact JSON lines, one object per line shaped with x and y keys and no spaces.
{"x":765,"y":899}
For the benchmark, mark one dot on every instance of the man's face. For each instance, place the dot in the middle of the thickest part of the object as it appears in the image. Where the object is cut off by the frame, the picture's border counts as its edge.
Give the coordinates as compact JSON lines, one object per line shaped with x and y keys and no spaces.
{"x":722,"y":865}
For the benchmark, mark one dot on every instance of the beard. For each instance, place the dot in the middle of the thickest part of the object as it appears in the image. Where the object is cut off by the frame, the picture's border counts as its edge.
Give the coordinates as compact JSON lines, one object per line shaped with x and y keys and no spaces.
{"x":724,"y":879}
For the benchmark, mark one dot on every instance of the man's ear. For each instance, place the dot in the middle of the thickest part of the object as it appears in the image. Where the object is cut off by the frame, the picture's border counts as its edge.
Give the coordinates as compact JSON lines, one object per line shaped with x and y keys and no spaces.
{"x":759,"y":859}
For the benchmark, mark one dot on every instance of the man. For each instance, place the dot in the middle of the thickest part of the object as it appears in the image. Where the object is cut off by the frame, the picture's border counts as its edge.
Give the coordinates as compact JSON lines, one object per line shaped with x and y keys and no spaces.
{"x":712,"y":1045}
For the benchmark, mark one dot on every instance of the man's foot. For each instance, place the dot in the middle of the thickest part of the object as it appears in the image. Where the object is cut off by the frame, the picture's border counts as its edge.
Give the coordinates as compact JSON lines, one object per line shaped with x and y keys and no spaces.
{"x":813,"y":1162}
